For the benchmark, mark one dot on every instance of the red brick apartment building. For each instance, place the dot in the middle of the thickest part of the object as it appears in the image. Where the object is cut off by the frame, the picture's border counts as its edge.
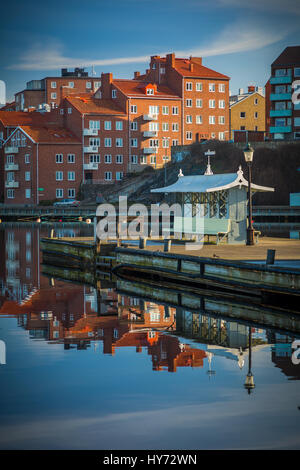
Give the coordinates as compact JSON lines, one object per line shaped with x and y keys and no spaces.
{"x":282,"y":113}
{"x":119,"y":128}
{"x":51,"y":90}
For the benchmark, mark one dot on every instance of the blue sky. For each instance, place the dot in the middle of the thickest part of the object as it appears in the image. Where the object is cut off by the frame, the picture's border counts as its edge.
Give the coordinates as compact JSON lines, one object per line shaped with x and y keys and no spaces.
{"x":235,"y":37}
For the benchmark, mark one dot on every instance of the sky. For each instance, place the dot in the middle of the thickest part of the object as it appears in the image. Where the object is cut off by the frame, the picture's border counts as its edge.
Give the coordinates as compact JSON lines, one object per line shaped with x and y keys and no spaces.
{"x":235,"y":37}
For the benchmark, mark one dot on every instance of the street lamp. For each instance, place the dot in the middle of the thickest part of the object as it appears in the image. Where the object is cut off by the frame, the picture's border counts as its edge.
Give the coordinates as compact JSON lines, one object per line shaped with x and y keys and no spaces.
{"x":249,"y":382}
{"x":248,"y":153}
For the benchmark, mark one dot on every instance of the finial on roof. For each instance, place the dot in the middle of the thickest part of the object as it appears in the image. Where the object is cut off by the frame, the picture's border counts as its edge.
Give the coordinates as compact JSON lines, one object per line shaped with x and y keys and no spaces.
{"x":180,"y":173}
{"x":208,"y":170}
{"x":209,"y":153}
{"x":240,"y":171}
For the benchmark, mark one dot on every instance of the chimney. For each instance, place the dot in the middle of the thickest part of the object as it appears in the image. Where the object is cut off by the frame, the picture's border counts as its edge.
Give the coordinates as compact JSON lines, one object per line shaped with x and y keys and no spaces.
{"x":241,"y":91}
{"x":171,"y":60}
{"x":106,"y":81}
{"x":136,"y":75}
{"x":191,"y":67}
{"x":251,"y":89}
{"x":196,"y":60}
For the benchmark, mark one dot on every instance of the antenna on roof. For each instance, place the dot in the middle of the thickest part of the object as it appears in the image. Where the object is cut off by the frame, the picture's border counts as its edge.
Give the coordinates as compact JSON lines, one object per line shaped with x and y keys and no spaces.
{"x":209,"y":153}
{"x":93,"y":71}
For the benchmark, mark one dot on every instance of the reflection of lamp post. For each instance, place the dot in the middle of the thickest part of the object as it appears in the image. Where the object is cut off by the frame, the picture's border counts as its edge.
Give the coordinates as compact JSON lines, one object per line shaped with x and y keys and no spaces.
{"x":210,"y":371}
{"x":166,"y":140}
{"x":248,"y":153}
{"x":249,"y":383}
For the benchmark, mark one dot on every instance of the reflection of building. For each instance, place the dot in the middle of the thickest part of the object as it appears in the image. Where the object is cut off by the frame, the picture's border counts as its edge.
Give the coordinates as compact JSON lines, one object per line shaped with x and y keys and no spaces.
{"x":282,"y":354}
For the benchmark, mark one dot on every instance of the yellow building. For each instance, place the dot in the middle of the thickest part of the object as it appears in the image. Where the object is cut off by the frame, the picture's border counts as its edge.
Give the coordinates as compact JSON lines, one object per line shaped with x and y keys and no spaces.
{"x":247,"y":111}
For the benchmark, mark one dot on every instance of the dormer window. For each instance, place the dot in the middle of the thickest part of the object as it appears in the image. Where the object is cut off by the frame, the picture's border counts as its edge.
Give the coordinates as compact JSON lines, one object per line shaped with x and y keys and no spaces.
{"x":150,"y":91}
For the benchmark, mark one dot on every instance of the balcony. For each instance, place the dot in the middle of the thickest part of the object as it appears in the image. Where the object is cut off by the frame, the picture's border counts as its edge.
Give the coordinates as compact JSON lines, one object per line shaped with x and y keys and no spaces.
{"x":280,"y":96}
{"x":11,"y":149}
{"x":281,"y":80}
{"x":90,"y":166}
{"x":11,"y":184}
{"x":150,"y":150}
{"x":150,"y":134}
{"x":150,"y":117}
{"x":280,"y":112}
{"x":11,"y":166}
{"x":90,"y":131}
{"x":280,"y":129}
{"x":90,"y":149}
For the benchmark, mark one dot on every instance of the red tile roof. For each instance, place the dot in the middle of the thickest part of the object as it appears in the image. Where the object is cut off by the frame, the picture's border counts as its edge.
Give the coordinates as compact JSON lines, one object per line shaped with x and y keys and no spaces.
{"x":137,"y":88}
{"x":52,"y":135}
{"x":86,"y":103}
{"x":17,"y":118}
{"x":183,"y":67}
{"x":290,"y":56}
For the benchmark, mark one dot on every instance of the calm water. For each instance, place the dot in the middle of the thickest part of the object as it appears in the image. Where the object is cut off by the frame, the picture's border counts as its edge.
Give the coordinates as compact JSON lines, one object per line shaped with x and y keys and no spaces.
{"x":91,"y":368}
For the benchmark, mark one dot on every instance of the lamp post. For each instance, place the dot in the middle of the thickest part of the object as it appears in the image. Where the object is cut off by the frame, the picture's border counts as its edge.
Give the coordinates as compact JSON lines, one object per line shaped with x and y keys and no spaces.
{"x":248,"y":153}
{"x":249,"y":382}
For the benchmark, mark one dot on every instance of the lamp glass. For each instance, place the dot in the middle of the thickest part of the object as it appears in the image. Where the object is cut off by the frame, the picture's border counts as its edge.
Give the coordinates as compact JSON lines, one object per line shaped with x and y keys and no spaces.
{"x":248,"y":153}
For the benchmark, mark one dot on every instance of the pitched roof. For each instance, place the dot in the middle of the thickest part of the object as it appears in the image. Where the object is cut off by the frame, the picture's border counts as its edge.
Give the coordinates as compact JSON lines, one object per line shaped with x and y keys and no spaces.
{"x":18,"y":118}
{"x":85,"y":103}
{"x":137,"y":88}
{"x":244,"y":97}
{"x":290,"y":56}
{"x":183,"y":67}
{"x":52,"y":135}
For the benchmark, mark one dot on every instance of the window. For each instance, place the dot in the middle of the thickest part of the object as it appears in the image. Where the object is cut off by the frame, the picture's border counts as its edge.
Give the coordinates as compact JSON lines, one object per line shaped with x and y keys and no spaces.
{"x":134,"y":126}
{"x":189,"y":103}
{"x":153,"y":110}
{"x":221,"y":88}
{"x":211,"y":87}
{"x":108,"y":175}
{"x":71,"y":175}
{"x":165,"y":143}
{"x":107,"y":125}
{"x":71,"y":193}
{"x":174,"y":142}
{"x":94,"y":158}
{"x":213,"y":135}
{"x":153,"y":126}
{"x":114,"y":93}
{"x":198,"y":86}
{"x":189,"y":119}
{"x":10,"y":176}
{"x":94,"y":142}
{"x":150,"y":91}
{"x":133,"y":142}
{"x":280,"y":72}
{"x":107,"y":142}
{"x":61,"y":111}
{"x":27,"y":175}
{"x":53,"y":96}
{"x":242,"y":114}
{"x":107,"y":158}
{"x":221,"y":119}
{"x":297,"y":121}
{"x":153,"y":159}
{"x":175,"y":127}
{"x":69,"y":110}
{"x":198,"y":103}
{"x":94,"y":125}
{"x":10,"y":159}
{"x":189,"y":135}
{"x":143,"y":160}
{"x":175,"y":110}
{"x":198,"y":119}
{"x":97,"y":85}
{"x":59,"y":193}
{"x":255,"y":100}
{"x":162,"y":70}
{"x":119,"y":125}
{"x":27,"y":158}
{"x":212,"y":103}
{"x":222,"y":104}
{"x":27,"y":193}
{"x":71,"y":84}
{"x":71,"y":158}
{"x":242,"y":128}
{"x":256,"y":115}
{"x":53,"y":84}
{"x":133,"y":109}
{"x":119,"y":142}
{"x":59,"y":158}
{"x":165,"y":126}
{"x":153,"y":143}
{"x":221,"y":135}
{"x":119,"y":158}
{"x":119,"y":175}
{"x":297,"y":71}
{"x":134,"y":159}
{"x":212,"y":119}
{"x":165,"y":110}
{"x":59,"y":175}
{"x":10,"y":194}
{"x":189,"y":86}
{"x":89,"y":85}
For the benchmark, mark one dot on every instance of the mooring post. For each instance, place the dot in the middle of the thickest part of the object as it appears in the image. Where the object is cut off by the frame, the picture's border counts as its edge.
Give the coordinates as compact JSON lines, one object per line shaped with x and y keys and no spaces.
{"x":95,"y":229}
{"x":52,"y":233}
{"x":142,"y":242}
{"x":167,"y":245}
{"x":270,"y":257}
